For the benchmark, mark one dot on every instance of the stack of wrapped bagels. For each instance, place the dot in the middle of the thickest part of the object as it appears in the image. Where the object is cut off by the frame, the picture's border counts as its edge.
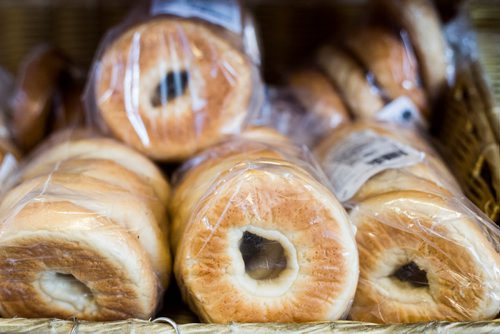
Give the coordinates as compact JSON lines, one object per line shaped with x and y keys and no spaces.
{"x":424,"y":255}
{"x":83,"y":233}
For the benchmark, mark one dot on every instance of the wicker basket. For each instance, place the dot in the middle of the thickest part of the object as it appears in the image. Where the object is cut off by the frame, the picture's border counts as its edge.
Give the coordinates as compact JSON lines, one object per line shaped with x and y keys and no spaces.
{"x":469,"y":129}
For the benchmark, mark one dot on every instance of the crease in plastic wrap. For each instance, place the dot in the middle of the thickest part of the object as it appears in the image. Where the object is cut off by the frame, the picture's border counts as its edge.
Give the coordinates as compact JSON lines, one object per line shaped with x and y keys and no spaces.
{"x":426,"y":253}
{"x":176,"y":77}
{"x":83,"y":233}
{"x":305,"y":110}
{"x":395,"y":66}
{"x":258,"y":237}
{"x":9,"y":155}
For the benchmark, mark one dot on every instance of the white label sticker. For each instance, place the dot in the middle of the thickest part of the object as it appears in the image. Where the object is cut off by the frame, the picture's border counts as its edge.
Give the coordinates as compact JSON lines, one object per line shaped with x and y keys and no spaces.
{"x":226,"y":13}
{"x":401,"y":111}
{"x":362,"y":155}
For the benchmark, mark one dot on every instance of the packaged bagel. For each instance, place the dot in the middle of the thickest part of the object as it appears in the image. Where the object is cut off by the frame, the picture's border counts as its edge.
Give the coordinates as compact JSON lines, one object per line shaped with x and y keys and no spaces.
{"x":176,"y":77}
{"x":392,"y":69}
{"x":425,"y":252}
{"x":257,"y":237}
{"x":46,"y":97}
{"x":83,"y":233}
{"x":306,"y":109}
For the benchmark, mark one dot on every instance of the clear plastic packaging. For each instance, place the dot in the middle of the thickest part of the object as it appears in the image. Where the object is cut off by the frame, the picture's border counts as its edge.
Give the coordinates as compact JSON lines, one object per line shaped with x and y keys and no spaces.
{"x":47,"y":96}
{"x":6,"y":87}
{"x":377,"y":74}
{"x":176,"y":77}
{"x":420,"y":20}
{"x":425,"y":252}
{"x":83,"y":233}
{"x":9,"y":154}
{"x":305,"y":110}
{"x":257,"y":237}
{"x":395,"y":67}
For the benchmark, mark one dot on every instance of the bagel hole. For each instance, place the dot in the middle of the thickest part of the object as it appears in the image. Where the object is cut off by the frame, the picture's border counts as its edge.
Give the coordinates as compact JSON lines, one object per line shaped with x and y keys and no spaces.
{"x":264,"y":259}
{"x":67,"y":289}
{"x":412,"y":274}
{"x":172,"y":85}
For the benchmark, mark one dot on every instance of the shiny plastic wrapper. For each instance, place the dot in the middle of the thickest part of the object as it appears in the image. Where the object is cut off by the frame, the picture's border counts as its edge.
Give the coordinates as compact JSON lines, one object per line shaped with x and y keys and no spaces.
{"x":83,"y":233}
{"x":176,"y":77}
{"x":306,"y":109}
{"x":425,"y":252}
{"x":6,"y":87}
{"x":395,"y":67}
{"x":9,"y":154}
{"x":46,"y":97}
{"x":258,"y":237}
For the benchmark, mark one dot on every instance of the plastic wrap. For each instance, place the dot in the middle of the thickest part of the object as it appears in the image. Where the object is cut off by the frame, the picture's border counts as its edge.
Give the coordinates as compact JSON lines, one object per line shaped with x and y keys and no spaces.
{"x":6,"y":87}
{"x":9,"y":154}
{"x":425,"y":252}
{"x":83,"y":233}
{"x":177,"y":77}
{"x":257,"y":237}
{"x":305,"y":110}
{"x":377,"y":74}
{"x":395,"y":67}
{"x":47,"y":96}
{"x":420,"y":19}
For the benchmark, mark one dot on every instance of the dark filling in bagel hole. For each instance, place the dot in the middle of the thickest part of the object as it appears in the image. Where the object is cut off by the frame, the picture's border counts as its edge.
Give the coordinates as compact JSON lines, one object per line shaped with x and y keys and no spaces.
{"x":173,"y":85}
{"x":264,"y":259}
{"x":412,"y":274}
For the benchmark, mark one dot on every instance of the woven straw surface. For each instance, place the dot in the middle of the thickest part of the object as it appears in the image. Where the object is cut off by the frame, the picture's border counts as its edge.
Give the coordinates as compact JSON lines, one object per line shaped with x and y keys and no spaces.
{"x":143,"y":327}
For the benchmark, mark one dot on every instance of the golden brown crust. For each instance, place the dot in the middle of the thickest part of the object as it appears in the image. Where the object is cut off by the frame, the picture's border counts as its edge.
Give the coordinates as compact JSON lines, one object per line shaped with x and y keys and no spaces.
{"x":109,"y":172}
{"x":350,"y":80}
{"x":392,"y":64}
{"x":37,"y":82}
{"x":105,"y":200}
{"x":50,"y":238}
{"x":213,"y":103}
{"x":265,"y":135}
{"x":319,"y":96}
{"x":249,"y":190}
{"x":102,"y":148}
{"x":460,"y":263}
{"x":421,"y":20}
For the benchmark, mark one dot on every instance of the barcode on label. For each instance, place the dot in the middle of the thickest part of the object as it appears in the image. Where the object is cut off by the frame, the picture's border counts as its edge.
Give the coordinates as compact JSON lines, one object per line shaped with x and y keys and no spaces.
{"x":360,"y":156}
{"x":387,"y":157}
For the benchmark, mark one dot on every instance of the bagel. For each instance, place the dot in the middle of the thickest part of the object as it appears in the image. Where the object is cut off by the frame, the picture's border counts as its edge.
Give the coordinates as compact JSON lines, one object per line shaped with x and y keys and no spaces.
{"x":31,"y":103}
{"x":257,"y":239}
{"x":423,"y":258}
{"x":361,"y":98}
{"x":392,"y":64}
{"x":170,"y":87}
{"x":101,"y":148}
{"x":264,"y":135}
{"x":319,"y":97}
{"x":59,"y":260}
{"x":420,"y":19}
{"x":106,"y":171}
{"x":105,"y":200}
